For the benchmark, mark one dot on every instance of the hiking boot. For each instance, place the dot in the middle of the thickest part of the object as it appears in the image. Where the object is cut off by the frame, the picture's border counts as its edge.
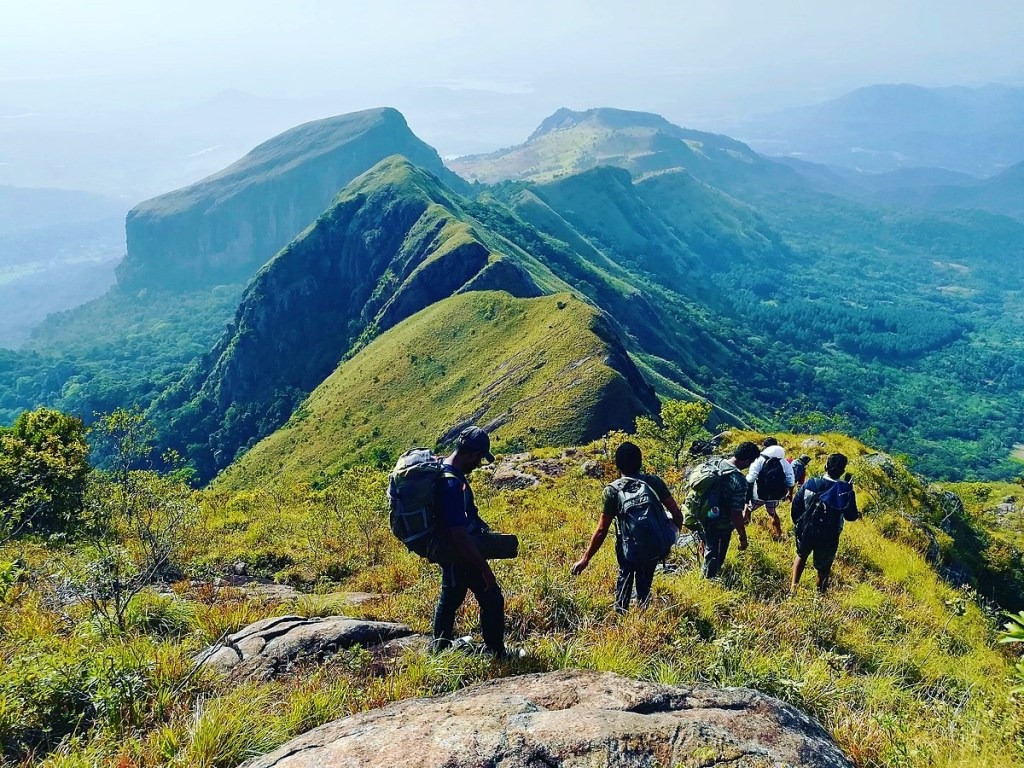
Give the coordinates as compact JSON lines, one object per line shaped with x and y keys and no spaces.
{"x":438,"y":645}
{"x":465,"y":644}
{"x":511,"y":653}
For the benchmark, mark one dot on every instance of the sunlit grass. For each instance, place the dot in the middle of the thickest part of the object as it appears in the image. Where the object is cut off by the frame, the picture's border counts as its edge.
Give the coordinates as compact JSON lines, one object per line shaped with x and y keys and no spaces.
{"x":899,"y":666}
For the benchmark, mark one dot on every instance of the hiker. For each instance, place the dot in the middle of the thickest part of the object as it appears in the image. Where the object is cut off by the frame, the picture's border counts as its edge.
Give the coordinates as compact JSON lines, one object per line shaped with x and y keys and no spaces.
{"x":800,"y":470}
{"x":634,"y":490}
{"x":769,"y":481}
{"x":716,"y":502}
{"x":819,"y":512}
{"x":469,"y":571}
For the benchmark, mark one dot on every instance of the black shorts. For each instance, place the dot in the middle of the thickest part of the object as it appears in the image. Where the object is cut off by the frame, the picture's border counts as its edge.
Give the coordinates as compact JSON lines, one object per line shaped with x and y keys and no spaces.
{"x":823,"y":549}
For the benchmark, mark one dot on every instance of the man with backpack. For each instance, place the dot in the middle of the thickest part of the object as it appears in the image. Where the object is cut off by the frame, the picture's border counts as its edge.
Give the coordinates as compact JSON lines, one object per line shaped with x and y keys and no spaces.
{"x":644,"y":535}
{"x":800,"y":470}
{"x":770,"y":480}
{"x":715,"y":501}
{"x":458,"y":519}
{"x":819,"y":511}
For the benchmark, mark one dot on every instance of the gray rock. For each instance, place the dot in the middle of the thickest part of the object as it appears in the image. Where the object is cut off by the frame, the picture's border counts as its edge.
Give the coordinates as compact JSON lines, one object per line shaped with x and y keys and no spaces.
{"x":355,"y":598}
{"x":569,"y":719}
{"x":270,"y":646}
{"x":240,"y":568}
{"x":813,"y":442}
{"x":592,"y":469}
{"x":510,"y":478}
{"x":884,"y":462}
{"x":271,"y":591}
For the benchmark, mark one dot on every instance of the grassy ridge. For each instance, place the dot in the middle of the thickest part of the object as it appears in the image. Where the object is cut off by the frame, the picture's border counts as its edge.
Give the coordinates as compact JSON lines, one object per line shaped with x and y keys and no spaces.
{"x":537,"y":369}
{"x":901,"y":667}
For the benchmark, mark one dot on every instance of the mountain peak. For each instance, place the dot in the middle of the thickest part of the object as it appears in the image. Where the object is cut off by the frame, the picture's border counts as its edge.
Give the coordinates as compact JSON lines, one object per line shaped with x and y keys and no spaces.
{"x":607,"y":117}
{"x":223,"y":228}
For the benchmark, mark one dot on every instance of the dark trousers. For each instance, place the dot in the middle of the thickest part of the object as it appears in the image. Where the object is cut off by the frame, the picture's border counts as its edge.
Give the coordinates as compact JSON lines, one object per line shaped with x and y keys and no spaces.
{"x":629,"y":574}
{"x":716,"y":545}
{"x":456,"y":581}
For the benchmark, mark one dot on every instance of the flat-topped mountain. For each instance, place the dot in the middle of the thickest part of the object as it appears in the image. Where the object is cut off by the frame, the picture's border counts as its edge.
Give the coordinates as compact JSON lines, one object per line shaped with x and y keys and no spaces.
{"x":225,"y":227}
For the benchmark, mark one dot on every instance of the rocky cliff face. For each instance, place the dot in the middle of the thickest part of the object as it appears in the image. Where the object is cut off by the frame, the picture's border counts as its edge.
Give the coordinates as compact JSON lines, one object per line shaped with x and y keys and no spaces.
{"x":223,"y":228}
{"x":569,"y":719}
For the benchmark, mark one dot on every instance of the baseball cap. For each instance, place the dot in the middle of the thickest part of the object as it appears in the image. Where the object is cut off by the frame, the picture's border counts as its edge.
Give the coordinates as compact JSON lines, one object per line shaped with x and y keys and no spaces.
{"x":475,"y":439}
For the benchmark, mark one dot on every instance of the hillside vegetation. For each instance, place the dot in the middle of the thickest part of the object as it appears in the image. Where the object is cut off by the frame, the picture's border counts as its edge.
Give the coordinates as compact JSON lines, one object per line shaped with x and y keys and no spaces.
{"x":543,"y":371}
{"x":726,"y":276}
{"x":901,"y":667}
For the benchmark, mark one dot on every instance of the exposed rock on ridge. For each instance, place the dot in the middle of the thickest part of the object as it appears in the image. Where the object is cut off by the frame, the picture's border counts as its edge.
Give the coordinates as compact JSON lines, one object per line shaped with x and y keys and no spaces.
{"x":569,"y":719}
{"x":270,"y":645}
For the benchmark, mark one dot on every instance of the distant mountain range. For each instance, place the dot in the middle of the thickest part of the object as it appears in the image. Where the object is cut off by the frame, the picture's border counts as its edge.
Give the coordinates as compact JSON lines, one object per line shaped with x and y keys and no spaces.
{"x":977,"y":131}
{"x":551,"y":295}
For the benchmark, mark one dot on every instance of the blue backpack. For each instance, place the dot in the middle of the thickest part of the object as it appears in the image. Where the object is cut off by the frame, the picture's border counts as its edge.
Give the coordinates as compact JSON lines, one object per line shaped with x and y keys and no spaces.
{"x":823,"y":511}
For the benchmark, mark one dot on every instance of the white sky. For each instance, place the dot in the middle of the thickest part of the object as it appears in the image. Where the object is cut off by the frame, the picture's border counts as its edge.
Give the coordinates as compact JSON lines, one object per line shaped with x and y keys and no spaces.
{"x":697,"y":62}
{"x":288,"y":47}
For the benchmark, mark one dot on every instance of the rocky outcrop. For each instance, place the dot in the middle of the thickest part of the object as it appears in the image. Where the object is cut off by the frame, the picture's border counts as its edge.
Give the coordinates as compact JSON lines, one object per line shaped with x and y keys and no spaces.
{"x":270,"y":646}
{"x":569,"y":719}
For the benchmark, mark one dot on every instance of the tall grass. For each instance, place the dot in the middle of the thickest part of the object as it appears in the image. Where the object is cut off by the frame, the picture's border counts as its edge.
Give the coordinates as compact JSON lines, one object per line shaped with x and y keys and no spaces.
{"x":903,"y":669}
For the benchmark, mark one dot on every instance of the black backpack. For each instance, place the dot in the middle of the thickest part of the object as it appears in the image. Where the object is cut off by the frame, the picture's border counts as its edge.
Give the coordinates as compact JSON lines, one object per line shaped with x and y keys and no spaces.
{"x":645,"y":530}
{"x":771,"y":480}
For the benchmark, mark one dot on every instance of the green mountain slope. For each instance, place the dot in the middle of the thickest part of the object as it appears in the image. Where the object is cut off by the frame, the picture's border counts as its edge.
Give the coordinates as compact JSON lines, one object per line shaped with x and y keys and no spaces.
{"x":225,"y":227}
{"x":568,"y":142}
{"x":396,"y":241}
{"x":393,"y":243}
{"x":534,"y":371}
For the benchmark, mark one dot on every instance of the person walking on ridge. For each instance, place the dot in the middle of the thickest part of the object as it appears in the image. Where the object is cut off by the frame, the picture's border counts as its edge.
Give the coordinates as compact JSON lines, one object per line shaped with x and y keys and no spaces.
{"x":770,"y":480}
{"x":819,"y":511}
{"x":629,"y":461}
{"x":800,"y":466}
{"x":469,"y":571}
{"x":722,"y":505}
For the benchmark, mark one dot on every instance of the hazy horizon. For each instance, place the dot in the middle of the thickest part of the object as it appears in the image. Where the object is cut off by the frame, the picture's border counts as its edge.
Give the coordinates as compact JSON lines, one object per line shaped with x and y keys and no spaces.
{"x":469,"y":78}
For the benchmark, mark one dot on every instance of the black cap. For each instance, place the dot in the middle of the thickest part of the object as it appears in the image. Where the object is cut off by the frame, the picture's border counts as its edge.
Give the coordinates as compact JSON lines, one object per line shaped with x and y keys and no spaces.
{"x":475,"y":439}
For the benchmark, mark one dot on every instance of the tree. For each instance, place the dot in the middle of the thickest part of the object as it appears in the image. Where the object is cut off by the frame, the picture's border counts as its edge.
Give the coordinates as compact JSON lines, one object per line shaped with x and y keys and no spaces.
{"x":43,"y":472}
{"x":681,"y":423}
{"x":135,"y":521}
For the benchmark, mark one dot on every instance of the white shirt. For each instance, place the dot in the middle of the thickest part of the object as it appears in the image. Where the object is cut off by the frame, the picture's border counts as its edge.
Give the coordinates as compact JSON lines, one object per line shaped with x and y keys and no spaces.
{"x":771,"y":452}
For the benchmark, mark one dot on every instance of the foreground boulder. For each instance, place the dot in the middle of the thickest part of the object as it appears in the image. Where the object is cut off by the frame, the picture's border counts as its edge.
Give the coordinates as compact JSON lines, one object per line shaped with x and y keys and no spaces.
{"x":271,"y":645}
{"x":569,"y":719}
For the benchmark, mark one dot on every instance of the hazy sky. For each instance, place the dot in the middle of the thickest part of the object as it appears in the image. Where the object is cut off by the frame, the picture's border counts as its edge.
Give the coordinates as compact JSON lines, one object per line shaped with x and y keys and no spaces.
{"x":716,"y":54}
{"x":477,"y":75}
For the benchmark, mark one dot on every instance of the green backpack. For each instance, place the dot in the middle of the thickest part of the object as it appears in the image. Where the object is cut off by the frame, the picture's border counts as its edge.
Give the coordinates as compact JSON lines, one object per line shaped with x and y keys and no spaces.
{"x":703,"y":488}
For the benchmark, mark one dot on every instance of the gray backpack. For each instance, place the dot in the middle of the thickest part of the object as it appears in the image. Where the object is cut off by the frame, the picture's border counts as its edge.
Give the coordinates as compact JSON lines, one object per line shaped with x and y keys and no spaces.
{"x":412,"y":498}
{"x":645,"y":530}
